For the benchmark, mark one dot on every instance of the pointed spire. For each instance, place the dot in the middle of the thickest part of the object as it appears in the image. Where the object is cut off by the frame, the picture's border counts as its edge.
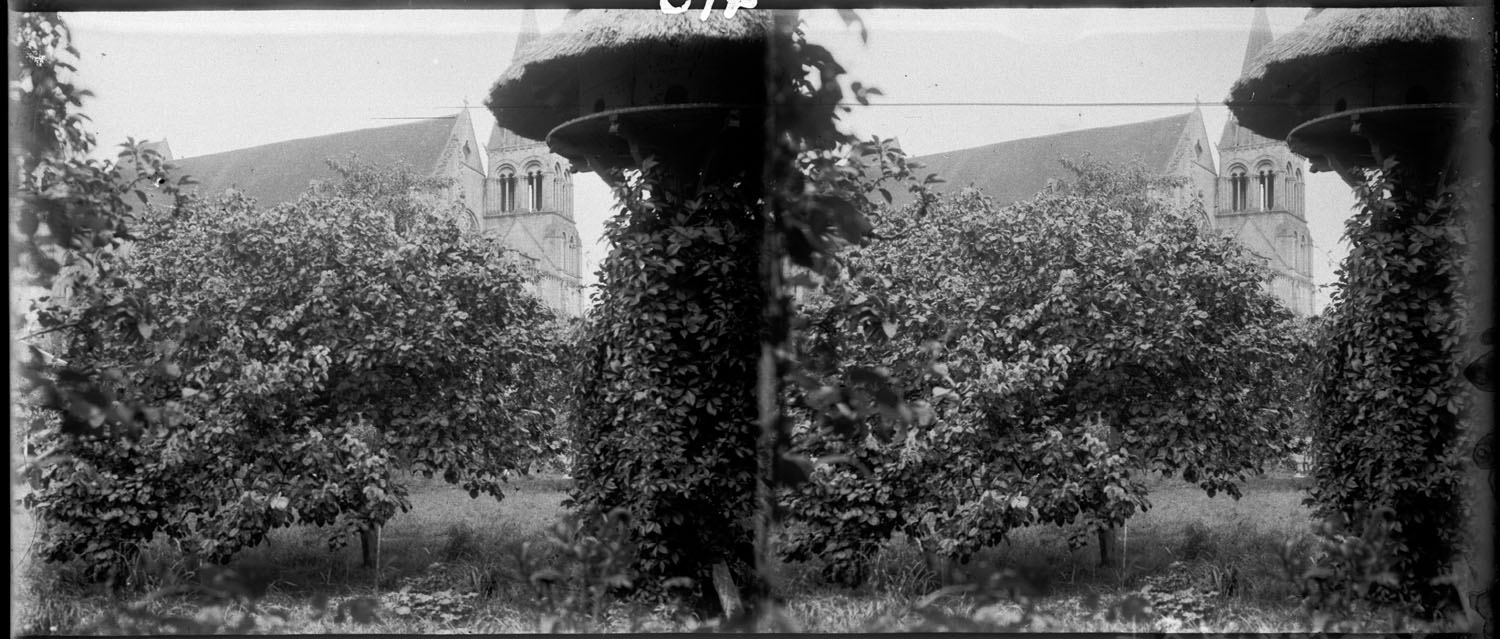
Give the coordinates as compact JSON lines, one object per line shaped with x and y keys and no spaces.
{"x":528,"y":32}
{"x":1260,"y":36}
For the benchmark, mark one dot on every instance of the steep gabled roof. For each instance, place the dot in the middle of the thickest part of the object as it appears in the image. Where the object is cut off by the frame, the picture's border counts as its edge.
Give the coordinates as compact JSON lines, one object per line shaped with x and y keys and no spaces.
{"x":281,"y":171}
{"x":1016,"y":170}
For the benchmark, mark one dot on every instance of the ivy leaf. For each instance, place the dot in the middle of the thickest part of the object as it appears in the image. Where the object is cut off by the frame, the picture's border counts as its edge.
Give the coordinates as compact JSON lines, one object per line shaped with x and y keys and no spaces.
{"x":792,"y":470}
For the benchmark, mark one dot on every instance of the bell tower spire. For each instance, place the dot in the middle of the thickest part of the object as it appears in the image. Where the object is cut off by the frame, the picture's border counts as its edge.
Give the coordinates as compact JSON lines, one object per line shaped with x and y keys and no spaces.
{"x":1260,"y":197}
{"x":529,"y":31}
{"x":1260,"y":36}
{"x":500,"y":138}
{"x":528,"y":204}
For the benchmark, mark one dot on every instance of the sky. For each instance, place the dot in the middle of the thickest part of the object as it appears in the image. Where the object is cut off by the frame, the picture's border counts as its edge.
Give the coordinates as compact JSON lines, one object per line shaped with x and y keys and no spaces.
{"x":951,"y":78}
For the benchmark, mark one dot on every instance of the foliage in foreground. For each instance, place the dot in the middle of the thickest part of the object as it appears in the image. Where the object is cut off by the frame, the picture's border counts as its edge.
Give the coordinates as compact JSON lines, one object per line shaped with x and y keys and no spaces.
{"x":1390,"y":398}
{"x":1052,"y":354}
{"x":299,"y":355}
{"x":68,"y":226}
{"x":666,"y":405}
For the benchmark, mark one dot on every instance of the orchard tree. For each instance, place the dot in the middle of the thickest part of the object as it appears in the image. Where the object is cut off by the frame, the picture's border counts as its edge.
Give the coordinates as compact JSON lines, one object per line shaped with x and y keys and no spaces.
{"x":294,"y":359}
{"x":1008,"y":367}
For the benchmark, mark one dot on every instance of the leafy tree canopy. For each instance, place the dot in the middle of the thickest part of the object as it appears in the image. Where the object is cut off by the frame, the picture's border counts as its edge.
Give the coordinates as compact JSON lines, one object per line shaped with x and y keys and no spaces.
{"x":1032,"y":364}
{"x":293,"y":359}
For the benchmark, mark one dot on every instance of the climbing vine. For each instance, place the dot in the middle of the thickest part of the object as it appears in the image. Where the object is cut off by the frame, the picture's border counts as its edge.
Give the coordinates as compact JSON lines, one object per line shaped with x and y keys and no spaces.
{"x":666,"y":416}
{"x":1390,"y":399}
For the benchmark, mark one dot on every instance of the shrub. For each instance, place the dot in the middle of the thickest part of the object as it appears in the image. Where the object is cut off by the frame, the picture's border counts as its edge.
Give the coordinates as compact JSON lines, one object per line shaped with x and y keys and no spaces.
{"x":1341,"y":569}
{"x":588,"y":561}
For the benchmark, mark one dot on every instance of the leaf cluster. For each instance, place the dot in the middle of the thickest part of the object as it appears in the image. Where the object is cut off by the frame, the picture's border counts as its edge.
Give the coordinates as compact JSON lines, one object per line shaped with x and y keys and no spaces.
{"x":1344,"y":568}
{"x":69,"y":229}
{"x":589,"y":562}
{"x":824,"y":189}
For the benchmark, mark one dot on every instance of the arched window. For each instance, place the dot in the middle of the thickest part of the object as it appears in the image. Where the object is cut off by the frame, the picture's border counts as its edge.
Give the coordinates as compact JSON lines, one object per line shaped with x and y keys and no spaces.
{"x":534,"y":187}
{"x":1288,"y":189}
{"x":1301,"y":194}
{"x":1239,"y":189}
{"x":1267,"y":181}
{"x":506,"y":178}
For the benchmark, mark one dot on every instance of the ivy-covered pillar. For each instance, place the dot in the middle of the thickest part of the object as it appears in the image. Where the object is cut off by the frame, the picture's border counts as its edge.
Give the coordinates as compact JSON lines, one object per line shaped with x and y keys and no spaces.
{"x":1386,"y":97}
{"x":668,"y":110}
{"x":667,"y":414}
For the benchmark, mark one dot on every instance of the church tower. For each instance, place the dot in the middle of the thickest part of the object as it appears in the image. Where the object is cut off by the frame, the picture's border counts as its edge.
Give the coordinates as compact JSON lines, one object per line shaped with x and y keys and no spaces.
{"x":1260,"y":197}
{"x":528,"y":201}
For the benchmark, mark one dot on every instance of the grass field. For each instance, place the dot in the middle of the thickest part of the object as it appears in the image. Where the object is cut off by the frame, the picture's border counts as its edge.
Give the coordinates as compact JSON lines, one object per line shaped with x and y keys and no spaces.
{"x":448,"y":566}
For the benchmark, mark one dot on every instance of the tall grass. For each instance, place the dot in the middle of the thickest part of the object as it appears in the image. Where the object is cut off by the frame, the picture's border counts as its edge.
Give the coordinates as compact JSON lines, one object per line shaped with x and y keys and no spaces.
{"x":448,"y":541}
{"x":460,"y":552}
{"x":1207,"y":541}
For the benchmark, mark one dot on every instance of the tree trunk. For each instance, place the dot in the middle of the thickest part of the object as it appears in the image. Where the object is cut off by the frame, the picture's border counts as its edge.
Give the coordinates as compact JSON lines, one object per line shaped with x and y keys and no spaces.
{"x":1106,"y":545}
{"x":369,"y":539}
{"x":729,"y":594}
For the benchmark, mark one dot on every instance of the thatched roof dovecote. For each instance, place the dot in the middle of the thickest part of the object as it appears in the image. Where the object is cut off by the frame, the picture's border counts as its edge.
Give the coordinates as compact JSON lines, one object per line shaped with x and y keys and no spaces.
{"x":1281,"y":88}
{"x":540,"y":90}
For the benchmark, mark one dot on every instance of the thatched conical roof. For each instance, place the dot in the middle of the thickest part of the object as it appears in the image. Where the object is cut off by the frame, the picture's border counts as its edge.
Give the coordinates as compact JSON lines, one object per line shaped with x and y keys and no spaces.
{"x":540,"y":89}
{"x":1270,"y":97}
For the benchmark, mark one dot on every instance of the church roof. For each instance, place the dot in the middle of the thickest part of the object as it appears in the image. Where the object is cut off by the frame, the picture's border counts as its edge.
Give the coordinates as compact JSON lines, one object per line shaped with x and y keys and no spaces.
{"x":281,"y":171}
{"x":1011,"y":171}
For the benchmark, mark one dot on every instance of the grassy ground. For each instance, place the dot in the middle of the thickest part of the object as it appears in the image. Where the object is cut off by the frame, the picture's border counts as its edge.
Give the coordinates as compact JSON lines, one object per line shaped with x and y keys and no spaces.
{"x":448,"y":566}
{"x":1199,"y":543}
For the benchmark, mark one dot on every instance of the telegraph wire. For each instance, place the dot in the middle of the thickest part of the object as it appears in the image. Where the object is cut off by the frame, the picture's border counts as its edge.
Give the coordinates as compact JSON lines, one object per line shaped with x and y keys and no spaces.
{"x":946,"y":104}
